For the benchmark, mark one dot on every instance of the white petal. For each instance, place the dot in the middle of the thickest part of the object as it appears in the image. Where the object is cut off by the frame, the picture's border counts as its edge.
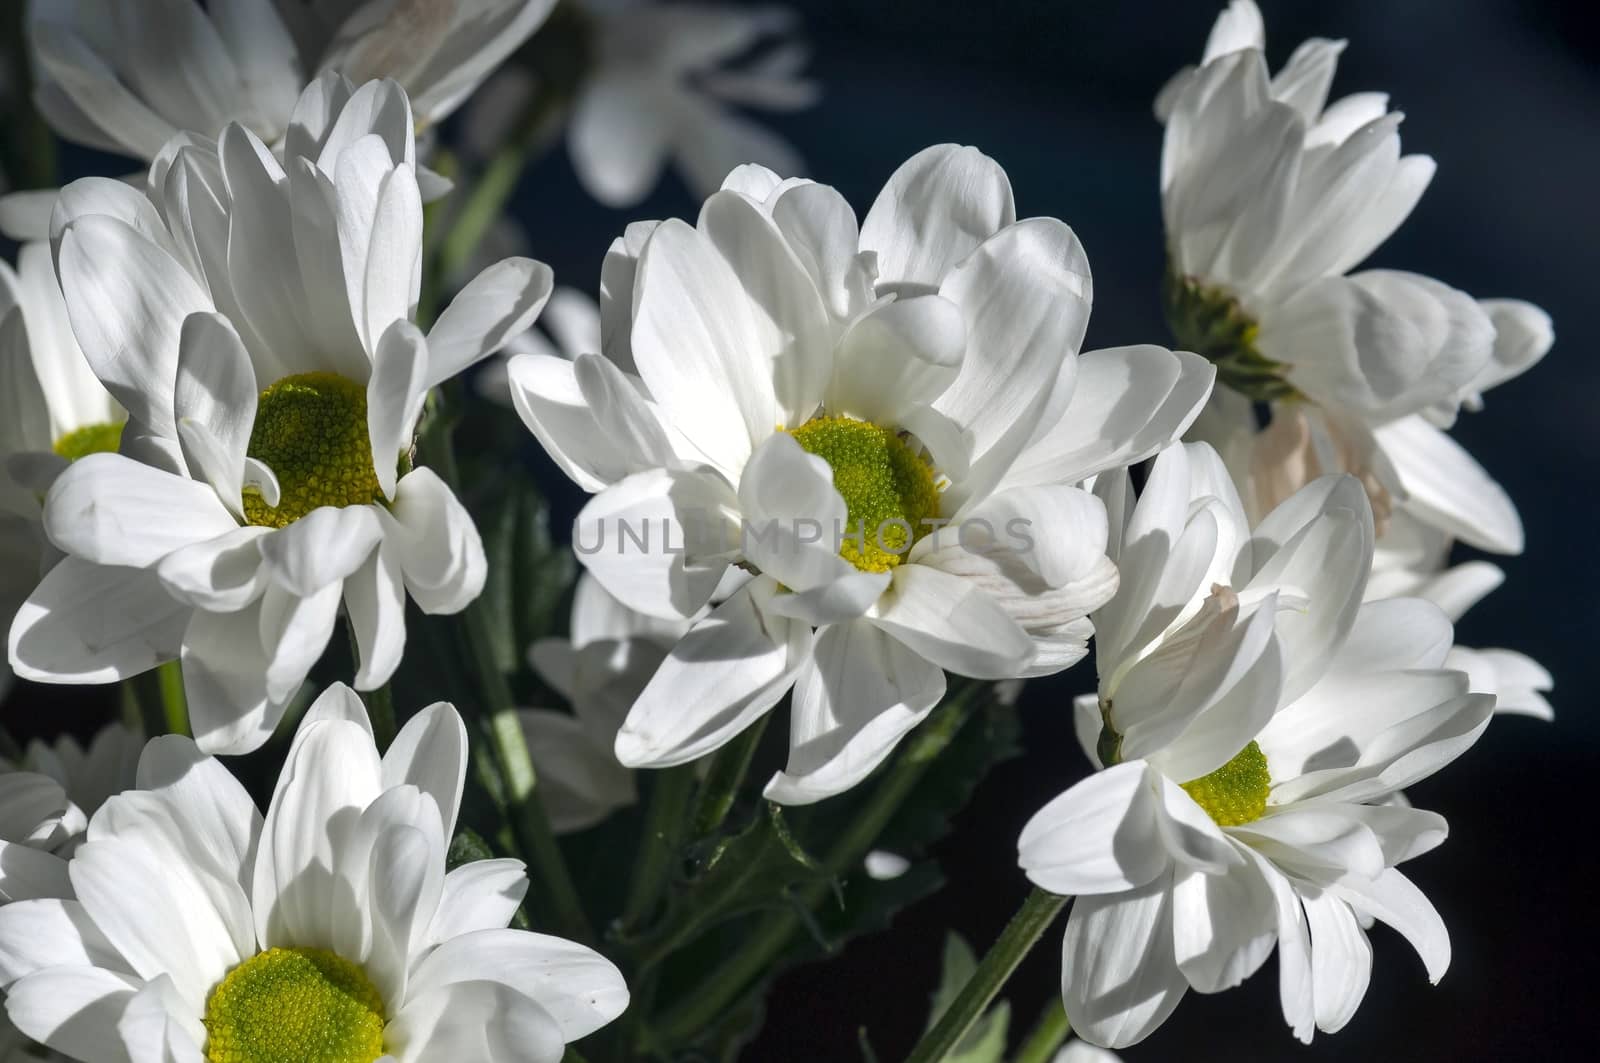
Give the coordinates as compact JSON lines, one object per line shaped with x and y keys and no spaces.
{"x":497,"y":304}
{"x":861,"y":694}
{"x":953,"y":623}
{"x":730,"y":668}
{"x":793,"y":516}
{"x":896,"y":357}
{"x":321,"y":548}
{"x":87,"y":623}
{"x":1391,"y":898}
{"x":112,"y":510}
{"x":430,"y":753}
{"x":395,"y":393}
{"x":1448,"y":489}
{"x":72,"y":1009}
{"x":934,"y":211}
{"x":481,"y":895}
{"x":1341,"y":961}
{"x":375,"y":602}
{"x":1098,"y":837}
{"x":1119,"y":977}
{"x":225,"y":678}
{"x":436,"y":544}
{"x":580,"y":780}
{"x":1224,"y":926}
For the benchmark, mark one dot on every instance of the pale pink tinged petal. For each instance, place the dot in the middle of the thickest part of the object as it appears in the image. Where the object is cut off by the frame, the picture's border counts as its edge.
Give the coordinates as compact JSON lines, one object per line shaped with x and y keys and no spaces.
{"x":88,"y":623}
{"x":730,"y":668}
{"x":1098,"y":837}
{"x":934,"y":211}
{"x":862,"y":693}
{"x":1119,"y":977}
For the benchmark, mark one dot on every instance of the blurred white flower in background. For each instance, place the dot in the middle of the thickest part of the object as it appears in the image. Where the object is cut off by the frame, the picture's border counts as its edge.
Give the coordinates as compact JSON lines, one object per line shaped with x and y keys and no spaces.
{"x":648,"y":84}
{"x":126,"y":76}
{"x":599,"y":669}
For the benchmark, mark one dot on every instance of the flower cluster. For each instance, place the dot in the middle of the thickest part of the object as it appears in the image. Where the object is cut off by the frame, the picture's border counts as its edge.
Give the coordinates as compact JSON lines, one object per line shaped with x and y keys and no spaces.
{"x":857,"y":470}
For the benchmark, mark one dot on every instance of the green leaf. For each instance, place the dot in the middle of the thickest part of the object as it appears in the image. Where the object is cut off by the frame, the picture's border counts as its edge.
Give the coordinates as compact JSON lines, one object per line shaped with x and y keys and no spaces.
{"x":986,"y":1041}
{"x":466,"y":847}
{"x":529,"y":574}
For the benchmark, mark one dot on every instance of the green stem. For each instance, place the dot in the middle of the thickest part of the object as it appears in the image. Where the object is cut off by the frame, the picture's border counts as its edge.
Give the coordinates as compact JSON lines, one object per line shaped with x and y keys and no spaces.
{"x":1016,"y":941}
{"x":535,"y":837}
{"x":379,"y":702}
{"x":658,"y":846}
{"x":487,"y":199}
{"x":703,"y":1003}
{"x":1047,"y":1036}
{"x":174,"y":702}
{"x":723,"y":779}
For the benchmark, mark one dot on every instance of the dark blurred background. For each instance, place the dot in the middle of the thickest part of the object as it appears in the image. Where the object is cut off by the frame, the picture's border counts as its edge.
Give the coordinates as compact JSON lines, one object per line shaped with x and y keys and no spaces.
{"x":1504,"y":94}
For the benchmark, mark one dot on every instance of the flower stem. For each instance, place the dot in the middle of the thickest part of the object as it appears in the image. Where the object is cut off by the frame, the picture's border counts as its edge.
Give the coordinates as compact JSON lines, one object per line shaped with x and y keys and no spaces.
{"x":379,"y":702}
{"x":174,"y":702}
{"x":705,"y":1002}
{"x":658,"y":847}
{"x":723,"y":779}
{"x":1046,"y":1036}
{"x":1016,"y":941}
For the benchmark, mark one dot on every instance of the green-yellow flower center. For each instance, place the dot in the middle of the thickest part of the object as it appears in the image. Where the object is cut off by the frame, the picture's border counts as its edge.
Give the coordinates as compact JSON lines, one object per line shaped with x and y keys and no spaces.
{"x":294,"y":1006}
{"x":1235,"y":793}
{"x":1209,"y":320}
{"x":311,"y":431}
{"x":888,"y":488}
{"x":102,"y":438}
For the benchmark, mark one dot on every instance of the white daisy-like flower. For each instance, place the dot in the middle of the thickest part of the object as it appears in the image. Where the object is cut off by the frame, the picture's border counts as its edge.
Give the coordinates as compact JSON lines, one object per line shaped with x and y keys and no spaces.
{"x":46,"y":801}
{"x":1255,"y":718}
{"x":660,"y":91}
{"x":126,"y":76}
{"x":326,"y":932}
{"x":779,"y":393}
{"x":1412,"y":561}
{"x":600,"y":669}
{"x":1083,"y":1052}
{"x":1271,"y":196}
{"x":255,"y":322}
{"x":54,"y":411}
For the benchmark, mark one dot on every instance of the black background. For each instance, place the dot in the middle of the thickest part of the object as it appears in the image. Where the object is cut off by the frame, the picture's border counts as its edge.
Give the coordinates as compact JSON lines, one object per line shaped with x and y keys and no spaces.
{"x":1505,"y":95}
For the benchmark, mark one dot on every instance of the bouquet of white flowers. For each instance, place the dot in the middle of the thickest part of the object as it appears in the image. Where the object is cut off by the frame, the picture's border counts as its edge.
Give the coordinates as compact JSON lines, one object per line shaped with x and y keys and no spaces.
{"x":852,"y":470}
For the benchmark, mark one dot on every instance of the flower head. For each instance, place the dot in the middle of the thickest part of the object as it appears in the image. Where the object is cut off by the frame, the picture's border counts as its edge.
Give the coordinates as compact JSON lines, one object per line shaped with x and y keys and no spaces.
{"x":325,"y":932}
{"x":877,"y":430}
{"x":1271,"y":195}
{"x":255,"y":320}
{"x":1255,"y":721}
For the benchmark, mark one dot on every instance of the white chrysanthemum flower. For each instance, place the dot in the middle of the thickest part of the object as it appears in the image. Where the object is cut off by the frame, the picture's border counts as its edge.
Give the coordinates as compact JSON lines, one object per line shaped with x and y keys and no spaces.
{"x":1084,"y":1052}
{"x":1412,"y":561}
{"x":327,"y":932}
{"x":659,"y":91}
{"x":1271,"y":196}
{"x":1255,"y":716}
{"x":45,"y":805}
{"x":126,"y":77}
{"x":255,"y":322}
{"x":54,"y":411}
{"x":600,"y":669}
{"x":779,"y":394}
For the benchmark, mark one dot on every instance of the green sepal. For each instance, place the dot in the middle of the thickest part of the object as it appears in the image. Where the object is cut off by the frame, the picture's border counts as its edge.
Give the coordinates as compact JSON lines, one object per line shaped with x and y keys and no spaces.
{"x":1209,"y":320}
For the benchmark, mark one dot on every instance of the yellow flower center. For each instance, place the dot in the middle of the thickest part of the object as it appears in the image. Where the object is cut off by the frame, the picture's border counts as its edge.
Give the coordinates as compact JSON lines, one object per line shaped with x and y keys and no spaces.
{"x":294,"y":1006}
{"x":311,"y":431}
{"x":102,"y":438}
{"x":1235,"y":793}
{"x":888,"y":488}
